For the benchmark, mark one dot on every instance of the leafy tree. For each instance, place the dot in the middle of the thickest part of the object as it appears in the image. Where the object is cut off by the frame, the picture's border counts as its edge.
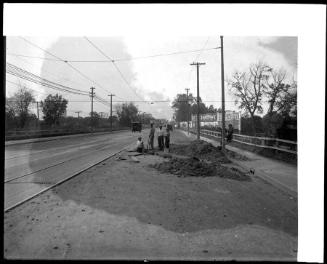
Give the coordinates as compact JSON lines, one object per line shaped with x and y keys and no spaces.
{"x":10,"y":121}
{"x":127,"y":113}
{"x":19,"y":105}
{"x":212,"y":109}
{"x":182,"y":107}
{"x":53,"y":108}
{"x":271,"y":122}
{"x":247,"y":125}
{"x":287,"y":107}
{"x":248,"y":87}
{"x":203,"y":108}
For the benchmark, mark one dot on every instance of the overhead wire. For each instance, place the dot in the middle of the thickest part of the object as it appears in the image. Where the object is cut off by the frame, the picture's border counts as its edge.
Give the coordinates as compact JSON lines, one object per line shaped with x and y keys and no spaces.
{"x":65,"y":61}
{"x":113,"y":62}
{"x":51,"y":73}
{"x":118,"y":59}
{"x":23,"y":74}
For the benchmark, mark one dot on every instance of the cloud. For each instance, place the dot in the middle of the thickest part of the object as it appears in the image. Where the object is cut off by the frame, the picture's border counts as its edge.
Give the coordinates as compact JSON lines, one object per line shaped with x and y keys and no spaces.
{"x":287,"y":46}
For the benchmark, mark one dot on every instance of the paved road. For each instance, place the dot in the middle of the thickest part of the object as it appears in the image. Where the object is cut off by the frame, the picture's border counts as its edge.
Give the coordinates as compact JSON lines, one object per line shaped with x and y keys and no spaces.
{"x":33,"y":167}
{"x":122,"y":209}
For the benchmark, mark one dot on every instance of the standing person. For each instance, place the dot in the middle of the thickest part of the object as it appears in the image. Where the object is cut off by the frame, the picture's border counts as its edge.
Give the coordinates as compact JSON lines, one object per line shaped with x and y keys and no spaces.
{"x":167,"y":139}
{"x":151,"y":136}
{"x":160,"y":138}
{"x":230,"y":133}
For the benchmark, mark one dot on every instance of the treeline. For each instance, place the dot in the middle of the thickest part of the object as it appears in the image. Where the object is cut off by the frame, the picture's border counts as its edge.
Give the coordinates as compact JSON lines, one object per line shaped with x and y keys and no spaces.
{"x":259,"y":87}
{"x":18,"y":115}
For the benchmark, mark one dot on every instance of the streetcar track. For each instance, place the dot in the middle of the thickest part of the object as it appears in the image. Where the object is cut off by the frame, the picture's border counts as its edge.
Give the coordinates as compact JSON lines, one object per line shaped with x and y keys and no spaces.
{"x":53,"y":149}
{"x":54,"y":165}
{"x":64,"y":180}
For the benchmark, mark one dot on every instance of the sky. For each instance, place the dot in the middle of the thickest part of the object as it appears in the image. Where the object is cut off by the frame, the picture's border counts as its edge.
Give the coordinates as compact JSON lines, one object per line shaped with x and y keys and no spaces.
{"x":158,"y":78}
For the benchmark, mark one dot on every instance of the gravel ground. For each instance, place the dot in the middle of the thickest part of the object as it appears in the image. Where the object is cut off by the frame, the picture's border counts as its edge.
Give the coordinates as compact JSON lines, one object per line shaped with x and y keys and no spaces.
{"x":123,"y":209}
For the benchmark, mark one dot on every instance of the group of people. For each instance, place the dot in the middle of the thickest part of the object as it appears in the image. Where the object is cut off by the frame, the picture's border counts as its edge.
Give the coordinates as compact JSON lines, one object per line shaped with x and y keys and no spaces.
{"x":163,"y":135}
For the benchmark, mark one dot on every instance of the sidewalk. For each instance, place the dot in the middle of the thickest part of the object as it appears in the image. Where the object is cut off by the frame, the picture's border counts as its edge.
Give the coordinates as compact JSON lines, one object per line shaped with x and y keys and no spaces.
{"x":278,"y":173}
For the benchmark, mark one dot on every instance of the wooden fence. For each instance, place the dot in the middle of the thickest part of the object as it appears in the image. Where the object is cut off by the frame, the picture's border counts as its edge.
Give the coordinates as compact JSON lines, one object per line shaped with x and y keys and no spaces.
{"x":261,"y":142}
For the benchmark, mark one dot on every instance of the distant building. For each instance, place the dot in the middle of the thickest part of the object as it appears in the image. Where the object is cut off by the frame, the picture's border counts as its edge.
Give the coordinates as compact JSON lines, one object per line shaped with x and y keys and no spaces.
{"x":215,"y":119}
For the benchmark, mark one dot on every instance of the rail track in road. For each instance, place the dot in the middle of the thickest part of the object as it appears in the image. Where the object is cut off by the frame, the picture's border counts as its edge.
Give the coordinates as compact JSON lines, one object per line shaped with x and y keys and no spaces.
{"x":63,"y":180}
{"x":53,"y":165}
{"x":42,"y":172}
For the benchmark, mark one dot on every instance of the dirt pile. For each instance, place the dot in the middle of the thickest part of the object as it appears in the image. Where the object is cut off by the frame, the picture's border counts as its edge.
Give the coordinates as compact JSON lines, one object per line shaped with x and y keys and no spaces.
{"x":186,"y":167}
{"x":201,"y":150}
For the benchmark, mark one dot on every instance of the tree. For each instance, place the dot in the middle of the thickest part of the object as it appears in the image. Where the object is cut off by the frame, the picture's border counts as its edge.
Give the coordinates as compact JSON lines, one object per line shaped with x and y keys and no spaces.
{"x":276,"y":90}
{"x":249,"y":87}
{"x":182,"y":107}
{"x":126,"y":113}
{"x":203,"y":108}
{"x":53,"y":108}
{"x":184,"y":110}
{"x":247,"y":124}
{"x":19,"y":105}
{"x":287,"y":107}
{"x":271,"y":122}
{"x":212,"y":109}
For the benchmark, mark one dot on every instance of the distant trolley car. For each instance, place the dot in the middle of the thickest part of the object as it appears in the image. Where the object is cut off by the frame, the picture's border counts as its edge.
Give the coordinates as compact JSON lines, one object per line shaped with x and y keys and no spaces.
{"x":136,"y":126}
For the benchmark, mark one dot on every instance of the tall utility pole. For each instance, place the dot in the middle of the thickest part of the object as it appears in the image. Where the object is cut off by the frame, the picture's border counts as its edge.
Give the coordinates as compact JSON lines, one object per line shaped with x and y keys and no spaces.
{"x":222,"y":94}
{"x":188,"y":111}
{"x":37,"y":110}
{"x":198,"y":96}
{"x":77,"y":112}
{"x":111,"y":95}
{"x":92,"y":95}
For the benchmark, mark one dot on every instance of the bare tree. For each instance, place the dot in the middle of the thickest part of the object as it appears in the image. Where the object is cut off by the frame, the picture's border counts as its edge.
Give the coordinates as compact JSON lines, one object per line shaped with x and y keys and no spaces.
{"x":249,"y":87}
{"x":276,"y":90}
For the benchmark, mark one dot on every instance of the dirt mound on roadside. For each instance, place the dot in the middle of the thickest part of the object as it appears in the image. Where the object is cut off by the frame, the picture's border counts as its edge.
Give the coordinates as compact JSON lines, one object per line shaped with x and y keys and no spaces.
{"x":193,"y":167}
{"x":186,"y":167}
{"x":201,"y":150}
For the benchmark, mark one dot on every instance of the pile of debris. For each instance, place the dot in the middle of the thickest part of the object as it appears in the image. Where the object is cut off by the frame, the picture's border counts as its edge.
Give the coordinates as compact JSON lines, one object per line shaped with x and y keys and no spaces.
{"x":201,"y":150}
{"x":187,"y":167}
{"x":199,"y":159}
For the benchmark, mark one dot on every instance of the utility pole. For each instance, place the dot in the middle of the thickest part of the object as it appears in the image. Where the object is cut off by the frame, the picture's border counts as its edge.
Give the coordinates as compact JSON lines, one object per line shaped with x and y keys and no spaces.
{"x":111,"y":95}
{"x":222,"y":94}
{"x":188,"y":112}
{"x":37,"y":110}
{"x":198,"y":96}
{"x":92,"y":95}
{"x":78,"y":113}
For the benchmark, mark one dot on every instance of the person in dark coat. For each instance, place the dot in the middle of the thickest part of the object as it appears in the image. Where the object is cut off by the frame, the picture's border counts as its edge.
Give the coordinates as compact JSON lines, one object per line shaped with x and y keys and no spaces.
{"x":167,"y":138}
{"x":230,"y":133}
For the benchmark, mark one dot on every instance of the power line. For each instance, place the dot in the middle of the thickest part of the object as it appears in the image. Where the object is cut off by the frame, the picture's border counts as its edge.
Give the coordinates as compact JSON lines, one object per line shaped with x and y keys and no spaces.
{"x":51,"y":73}
{"x":31,"y":57}
{"x":113,"y":62}
{"x":22,"y":85}
{"x":161,"y":55}
{"x":65,"y":61}
{"x":23,"y":74}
